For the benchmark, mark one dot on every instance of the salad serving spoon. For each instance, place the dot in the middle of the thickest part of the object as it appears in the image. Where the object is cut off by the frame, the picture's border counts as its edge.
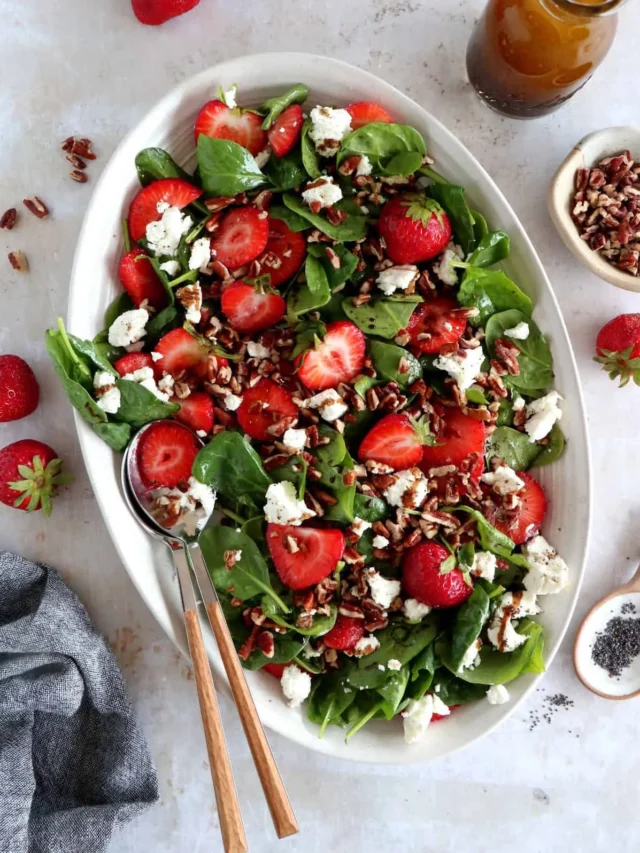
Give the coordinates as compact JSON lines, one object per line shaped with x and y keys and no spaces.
{"x":182,"y":539}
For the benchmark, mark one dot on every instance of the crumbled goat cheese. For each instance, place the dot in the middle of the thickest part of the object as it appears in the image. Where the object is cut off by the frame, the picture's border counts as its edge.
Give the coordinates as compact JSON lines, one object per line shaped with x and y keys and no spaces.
{"x":200,"y":254}
{"x":366,"y":645}
{"x":163,"y":235}
{"x":232,"y":402}
{"x":519,"y":332}
{"x":444,"y":269}
{"x":204,"y":495}
{"x":283,"y":506}
{"x":324,"y":191}
{"x":201,"y":433}
{"x":144,"y":376}
{"x":394,"y":665}
{"x":484,"y":565}
{"x":380,"y":542}
{"x":128,"y":328}
{"x":364,"y":166}
{"x":519,"y":404}
{"x":262,"y":157}
{"x":328,"y":129}
{"x":108,"y":395}
{"x":415,"y":610}
{"x":170,"y":267}
{"x":440,"y":708}
{"x":229,"y":96}
{"x":548,"y":573}
{"x":166,"y":384}
{"x":397,"y":278}
{"x":408,"y":490}
{"x":294,"y":439}
{"x":383,"y":590}
{"x":464,"y":369}
{"x":329,"y":404}
{"x":197,"y":494}
{"x":256,"y":350}
{"x":542,"y":415}
{"x":503,"y":481}
{"x":359,"y":526}
{"x":156,"y":356}
{"x":296,"y":685}
{"x":190,"y":297}
{"x":513,"y":605}
{"x":416,"y":718}
{"x":471,"y":656}
{"x":497,"y":694}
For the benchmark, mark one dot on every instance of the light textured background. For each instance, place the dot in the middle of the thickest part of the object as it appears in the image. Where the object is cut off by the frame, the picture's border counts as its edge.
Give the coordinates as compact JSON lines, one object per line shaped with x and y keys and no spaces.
{"x":89,"y":68}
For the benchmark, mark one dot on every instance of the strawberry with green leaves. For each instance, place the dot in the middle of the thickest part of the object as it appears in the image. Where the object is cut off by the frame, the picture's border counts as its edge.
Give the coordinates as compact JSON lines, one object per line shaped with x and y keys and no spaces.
{"x":618,"y":348}
{"x":415,"y":228}
{"x":30,"y":475}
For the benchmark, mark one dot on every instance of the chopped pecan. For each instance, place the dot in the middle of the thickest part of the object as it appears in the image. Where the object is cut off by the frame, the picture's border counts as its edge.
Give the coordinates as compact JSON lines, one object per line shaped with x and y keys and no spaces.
{"x":266,"y":643}
{"x":18,"y":260}
{"x":36,"y":206}
{"x":78,"y":176}
{"x":8,"y":218}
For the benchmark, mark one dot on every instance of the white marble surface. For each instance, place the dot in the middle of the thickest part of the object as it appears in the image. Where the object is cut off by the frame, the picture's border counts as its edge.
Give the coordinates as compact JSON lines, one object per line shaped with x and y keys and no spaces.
{"x":90,"y":68}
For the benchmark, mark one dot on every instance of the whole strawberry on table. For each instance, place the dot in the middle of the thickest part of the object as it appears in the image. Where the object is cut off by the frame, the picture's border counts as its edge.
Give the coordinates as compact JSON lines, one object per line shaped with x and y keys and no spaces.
{"x":323,"y":308}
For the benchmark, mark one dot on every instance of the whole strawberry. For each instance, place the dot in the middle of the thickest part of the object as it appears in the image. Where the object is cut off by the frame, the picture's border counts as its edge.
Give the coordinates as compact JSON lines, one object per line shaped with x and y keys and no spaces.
{"x":30,"y":474}
{"x":618,"y":348}
{"x":156,"y":12}
{"x":415,"y":228}
{"x":19,"y":390}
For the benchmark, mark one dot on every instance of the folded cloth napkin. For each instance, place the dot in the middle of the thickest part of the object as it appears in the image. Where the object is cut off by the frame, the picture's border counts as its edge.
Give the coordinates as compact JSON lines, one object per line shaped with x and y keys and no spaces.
{"x":73,"y":760}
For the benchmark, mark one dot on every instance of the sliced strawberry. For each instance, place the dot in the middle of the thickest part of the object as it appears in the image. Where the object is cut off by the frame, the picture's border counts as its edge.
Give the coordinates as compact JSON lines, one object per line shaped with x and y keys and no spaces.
{"x":266,"y":411}
{"x":250,"y":309}
{"x":415,"y":228}
{"x":422,"y":578}
{"x":275,"y":669}
{"x":196,"y":411}
{"x":179,"y":351}
{"x":241,"y":237}
{"x":338,"y":358}
{"x":285,"y":131}
{"x":133,"y":361}
{"x":166,"y":453}
{"x":364,"y":112}
{"x":345,"y":634}
{"x":395,"y":441}
{"x":284,"y":254}
{"x":216,"y":120}
{"x":317,"y":554}
{"x":457,"y":438}
{"x":144,"y":207}
{"x":526,"y":521}
{"x":436,"y":319}
{"x":140,"y":280}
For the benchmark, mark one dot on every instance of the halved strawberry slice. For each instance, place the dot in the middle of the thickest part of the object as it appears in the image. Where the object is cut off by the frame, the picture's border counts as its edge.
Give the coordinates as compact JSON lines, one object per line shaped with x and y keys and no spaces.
{"x":275,"y":669}
{"x":166,"y":453}
{"x":457,"y":438}
{"x":216,"y":120}
{"x":364,"y":112}
{"x":316,"y":556}
{"x":396,"y":441}
{"x":250,"y":309}
{"x":527,"y":519}
{"x":196,"y":411}
{"x":133,"y":361}
{"x":179,"y":351}
{"x":337,"y":358}
{"x":144,"y":207}
{"x":285,"y":131}
{"x":266,"y":411}
{"x":241,"y":237}
{"x":436,"y":320}
{"x":424,"y":580}
{"x":284,"y":254}
{"x":140,"y":280}
{"x":345,"y":634}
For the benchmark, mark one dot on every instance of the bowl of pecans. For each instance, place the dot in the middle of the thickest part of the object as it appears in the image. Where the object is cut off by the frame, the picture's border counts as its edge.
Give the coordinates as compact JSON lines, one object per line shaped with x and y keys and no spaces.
{"x":594,"y":202}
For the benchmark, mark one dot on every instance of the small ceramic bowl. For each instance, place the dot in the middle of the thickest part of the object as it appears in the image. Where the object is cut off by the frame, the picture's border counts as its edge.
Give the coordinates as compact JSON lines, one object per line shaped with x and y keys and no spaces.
{"x":586,"y":154}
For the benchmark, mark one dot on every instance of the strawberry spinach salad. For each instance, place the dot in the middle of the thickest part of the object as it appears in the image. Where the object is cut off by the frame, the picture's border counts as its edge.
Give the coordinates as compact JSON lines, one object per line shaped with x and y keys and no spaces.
{"x":324,"y":310}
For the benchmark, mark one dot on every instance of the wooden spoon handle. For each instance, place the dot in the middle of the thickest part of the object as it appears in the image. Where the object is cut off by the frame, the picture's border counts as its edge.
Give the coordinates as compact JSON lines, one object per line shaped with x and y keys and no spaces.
{"x":231,"y":827}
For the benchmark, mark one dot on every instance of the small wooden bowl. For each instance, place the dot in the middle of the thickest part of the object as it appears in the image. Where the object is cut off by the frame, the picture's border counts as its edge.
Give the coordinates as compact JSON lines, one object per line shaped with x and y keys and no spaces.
{"x":585,"y":155}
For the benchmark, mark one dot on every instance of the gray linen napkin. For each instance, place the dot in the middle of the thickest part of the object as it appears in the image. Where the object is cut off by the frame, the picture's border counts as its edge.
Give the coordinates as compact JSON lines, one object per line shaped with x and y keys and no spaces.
{"x":73,"y":759}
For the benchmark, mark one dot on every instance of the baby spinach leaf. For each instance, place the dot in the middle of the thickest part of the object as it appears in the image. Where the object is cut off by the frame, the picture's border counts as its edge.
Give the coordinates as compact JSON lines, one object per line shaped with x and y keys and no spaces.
{"x":466,"y":555}
{"x":403,"y":164}
{"x":381,"y":142}
{"x":423,"y":668}
{"x":364,"y":384}
{"x":66,"y":357}
{"x":246,"y":578}
{"x":401,"y":641}
{"x":455,"y":691}
{"x":476,"y":395}
{"x":116,"y":435}
{"x":393,"y":690}
{"x":354,"y":432}
{"x":382,"y":316}
{"x":491,"y":291}
{"x":314,"y":293}
{"x":535,"y":360}
{"x":453,"y":201}
{"x":310,"y":158}
{"x":316,"y":276}
{"x":287,"y":647}
{"x":92,"y":353}
{"x":386,"y":359}
{"x":354,"y":227}
{"x":286,"y":172}
{"x":162,"y":322}
{"x":332,"y":461}
{"x":292,"y":220}
{"x":469,"y":621}
{"x":321,"y":624}
{"x":348,"y":262}
{"x":231,"y":466}
{"x":152,"y":164}
{"x":491,"y":539}
{"x":255,"y":528}
{"x":138,"y":405}
{"x":335,"y":451}
{"x":329,"y":699}
{"x":553,"y":450}
{"x":480,"y":227}
{"x":226,"y":168}
{"x":493,"y":247}
{"x":370,"y":508}
{"x":273,"y":107}
{"x":513,"y":447}
{"x":505,"y":412}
